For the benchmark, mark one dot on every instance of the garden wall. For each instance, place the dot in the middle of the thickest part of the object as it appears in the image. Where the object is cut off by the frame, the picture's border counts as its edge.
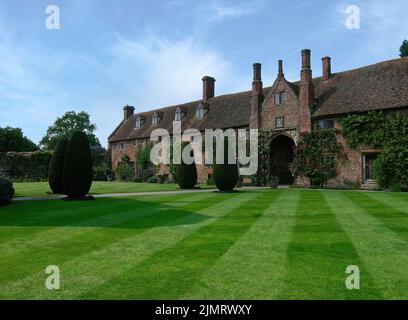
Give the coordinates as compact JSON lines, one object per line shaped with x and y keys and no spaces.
{"x":25,"y":166}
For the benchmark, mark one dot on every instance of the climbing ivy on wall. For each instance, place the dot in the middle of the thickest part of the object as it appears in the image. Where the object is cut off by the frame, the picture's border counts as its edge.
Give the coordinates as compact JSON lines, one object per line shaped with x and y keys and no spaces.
{"x":388,"y":132}
{"x":310,"y":153}
{"x":143,"y":156}
{"x":368,"y":129}
{"x":264,"y":136}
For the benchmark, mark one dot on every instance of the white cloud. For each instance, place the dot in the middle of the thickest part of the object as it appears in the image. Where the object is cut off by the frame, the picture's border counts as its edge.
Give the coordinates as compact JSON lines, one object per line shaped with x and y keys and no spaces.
{"x":235,"y":11}
{"x":38,"y":83}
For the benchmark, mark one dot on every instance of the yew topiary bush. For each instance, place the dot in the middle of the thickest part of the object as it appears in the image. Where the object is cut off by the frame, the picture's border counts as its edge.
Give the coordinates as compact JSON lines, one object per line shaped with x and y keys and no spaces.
{"x":57,"y":166}
{"x":77,"y":174}
{"x":6,"y":191}
{"x":225,"y":175}
{"x":186,"y":175}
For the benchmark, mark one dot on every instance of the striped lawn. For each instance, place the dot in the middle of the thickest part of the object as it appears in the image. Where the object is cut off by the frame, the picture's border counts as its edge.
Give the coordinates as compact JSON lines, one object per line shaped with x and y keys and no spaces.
{"x":267,"y":244}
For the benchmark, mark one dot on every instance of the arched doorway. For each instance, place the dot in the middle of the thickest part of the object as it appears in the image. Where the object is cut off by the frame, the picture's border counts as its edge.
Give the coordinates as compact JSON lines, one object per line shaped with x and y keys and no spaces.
{"x":280,"y":158}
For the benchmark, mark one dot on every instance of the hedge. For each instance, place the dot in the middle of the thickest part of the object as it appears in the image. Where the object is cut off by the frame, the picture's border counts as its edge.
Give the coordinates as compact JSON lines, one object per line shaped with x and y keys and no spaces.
{"x":25,"y":166}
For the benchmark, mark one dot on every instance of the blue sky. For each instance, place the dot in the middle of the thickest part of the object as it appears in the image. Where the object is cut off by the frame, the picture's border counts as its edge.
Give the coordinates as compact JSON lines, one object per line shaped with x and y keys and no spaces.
{"x":154,"y":53}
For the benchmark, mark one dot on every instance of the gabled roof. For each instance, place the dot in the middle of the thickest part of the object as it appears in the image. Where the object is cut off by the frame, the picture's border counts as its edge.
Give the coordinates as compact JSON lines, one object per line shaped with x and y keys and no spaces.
{"x":375,"y":87}
{"x":379,"y":86}
{"x":226,"y":111}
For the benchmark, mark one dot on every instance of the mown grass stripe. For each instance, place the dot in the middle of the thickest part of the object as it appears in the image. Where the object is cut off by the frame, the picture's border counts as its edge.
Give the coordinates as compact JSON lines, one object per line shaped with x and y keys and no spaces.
{"x":172,"y":271}
{"x":391,"y":217}
{"x":77,"y":241}
{"x":84,"y":272}
{"x":101,"y":218}
{"x":255,"y":265}
{"x":399,"y":201}
{"x":383,"y":252}
{"x":319,"y":253}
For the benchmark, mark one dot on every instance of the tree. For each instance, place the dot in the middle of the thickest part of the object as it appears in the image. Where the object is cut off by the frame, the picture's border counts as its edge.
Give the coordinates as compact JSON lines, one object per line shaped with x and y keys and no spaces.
{"x":226,"y":175}
{"x":77,"y":173}
{"x":186,"y":174}
{"x":65,"y":126}
{"x":57,"y":166}
{"x":13,"y":139}
{"x":404,"y":49}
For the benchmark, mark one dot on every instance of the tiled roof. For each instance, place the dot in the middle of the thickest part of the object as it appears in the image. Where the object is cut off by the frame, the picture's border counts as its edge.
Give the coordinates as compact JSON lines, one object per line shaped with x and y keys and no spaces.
{"x":379,"y":86}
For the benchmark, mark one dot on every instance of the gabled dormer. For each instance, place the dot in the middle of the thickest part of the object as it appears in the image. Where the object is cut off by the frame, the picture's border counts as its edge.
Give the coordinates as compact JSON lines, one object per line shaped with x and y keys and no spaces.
{"x":179,"y":114}
{"x":201,"y":110}
{"x":140,"y":120}
{"x":156,"y":118}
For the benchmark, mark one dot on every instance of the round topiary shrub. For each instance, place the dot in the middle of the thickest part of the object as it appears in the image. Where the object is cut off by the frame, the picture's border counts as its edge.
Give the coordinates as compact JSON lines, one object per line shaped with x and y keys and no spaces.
{"x":57,"y":166}
{"x":186,"y":174}
{"x":225,"y":175}
{"x":6,"y":191}
{"x":77,"y":174}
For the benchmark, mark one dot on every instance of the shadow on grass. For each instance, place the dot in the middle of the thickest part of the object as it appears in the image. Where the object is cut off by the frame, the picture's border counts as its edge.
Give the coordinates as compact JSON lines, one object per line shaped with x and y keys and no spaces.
{"x":107,"y":212}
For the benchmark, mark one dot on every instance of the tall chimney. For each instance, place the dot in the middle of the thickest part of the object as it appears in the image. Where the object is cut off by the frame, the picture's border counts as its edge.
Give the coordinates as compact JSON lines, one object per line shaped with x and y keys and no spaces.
{"x":280,"y":69}
{"x":326,"y":68}
{"x":306,"y":93}
{"x":208,"y":88}
{"x":257,"y":81}
{"x":256,"y":97}
{"x":128,"y":111}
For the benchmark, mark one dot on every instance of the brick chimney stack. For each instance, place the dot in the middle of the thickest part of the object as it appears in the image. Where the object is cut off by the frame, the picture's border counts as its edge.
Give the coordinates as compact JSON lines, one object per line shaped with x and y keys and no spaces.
{"x":208,"y":88}
{"x":326,"y":68}
{"x":306,"y":93}
{"x":257,"y":81}
{"x":128,"y":111}
{"x":280,"y":69}
{"x":256,"y":97}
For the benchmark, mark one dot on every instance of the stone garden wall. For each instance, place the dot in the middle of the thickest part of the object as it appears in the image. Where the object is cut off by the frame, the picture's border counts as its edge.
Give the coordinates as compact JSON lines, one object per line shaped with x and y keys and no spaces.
{"x":25,"y":166}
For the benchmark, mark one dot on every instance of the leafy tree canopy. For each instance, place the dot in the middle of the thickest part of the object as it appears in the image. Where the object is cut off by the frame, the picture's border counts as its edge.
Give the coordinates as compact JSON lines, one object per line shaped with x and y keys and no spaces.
{"x":12,"y":139}
{"x":404,"y":49}
{"x":65,"y":126}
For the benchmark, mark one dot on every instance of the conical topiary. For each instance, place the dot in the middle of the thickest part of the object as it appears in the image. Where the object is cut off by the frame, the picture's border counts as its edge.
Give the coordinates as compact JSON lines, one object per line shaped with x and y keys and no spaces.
{"x":186,"y":174}
{"x":225,"y":175}
{"x":77,"y":175}
{"x":57,"y":166}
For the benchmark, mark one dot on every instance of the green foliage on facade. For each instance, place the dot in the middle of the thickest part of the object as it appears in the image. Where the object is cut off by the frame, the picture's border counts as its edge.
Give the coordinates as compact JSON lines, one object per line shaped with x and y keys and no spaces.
{"x":143,"y":156}
{"x":311,"y":154}
{"x":368,"y":129}
{"x":388,"y":132}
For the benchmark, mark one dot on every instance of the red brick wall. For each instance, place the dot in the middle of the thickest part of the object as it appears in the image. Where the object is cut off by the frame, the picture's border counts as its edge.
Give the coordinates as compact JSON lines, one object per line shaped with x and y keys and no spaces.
{"x":289,"y":110}
{"x":130,"y":150}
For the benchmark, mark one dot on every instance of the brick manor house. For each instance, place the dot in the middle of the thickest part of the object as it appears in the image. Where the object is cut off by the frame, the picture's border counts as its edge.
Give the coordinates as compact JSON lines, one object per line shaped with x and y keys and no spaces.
{"x":286,"y":108}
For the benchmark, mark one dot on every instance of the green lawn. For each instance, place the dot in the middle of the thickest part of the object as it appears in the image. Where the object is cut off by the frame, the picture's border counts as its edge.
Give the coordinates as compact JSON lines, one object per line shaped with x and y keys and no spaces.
{"x":263,"y":244}
{"x":26,"y":189}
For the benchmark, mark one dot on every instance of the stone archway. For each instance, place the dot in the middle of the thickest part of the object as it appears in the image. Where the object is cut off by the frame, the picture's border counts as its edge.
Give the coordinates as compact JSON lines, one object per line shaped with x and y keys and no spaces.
{"x":280,"y":158}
